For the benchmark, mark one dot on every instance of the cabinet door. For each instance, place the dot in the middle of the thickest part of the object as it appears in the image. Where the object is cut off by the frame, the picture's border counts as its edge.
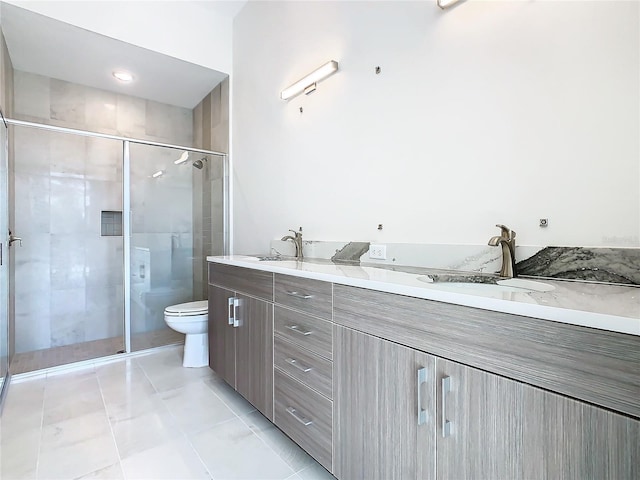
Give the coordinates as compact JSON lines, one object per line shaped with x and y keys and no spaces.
{"x":568,"y":439}
{"x":483,"y":436}
{"x":222,"y":336}
{"x":376,"y":431}
{"x":254,"y":353}
{"x":503,"y":429}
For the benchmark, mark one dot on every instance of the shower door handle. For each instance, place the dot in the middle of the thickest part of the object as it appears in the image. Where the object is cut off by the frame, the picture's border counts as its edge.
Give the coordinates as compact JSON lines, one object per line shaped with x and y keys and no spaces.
{"x":13,"y":238}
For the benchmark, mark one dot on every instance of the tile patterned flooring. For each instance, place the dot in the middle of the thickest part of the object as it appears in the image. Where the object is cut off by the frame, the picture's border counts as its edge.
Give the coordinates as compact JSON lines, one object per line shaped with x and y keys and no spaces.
{"x":142,"y":417}
{"x":53,"y":357}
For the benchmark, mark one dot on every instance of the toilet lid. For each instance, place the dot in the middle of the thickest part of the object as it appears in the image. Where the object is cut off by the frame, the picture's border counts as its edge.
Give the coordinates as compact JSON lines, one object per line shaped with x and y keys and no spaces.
{"x":190,"y":308}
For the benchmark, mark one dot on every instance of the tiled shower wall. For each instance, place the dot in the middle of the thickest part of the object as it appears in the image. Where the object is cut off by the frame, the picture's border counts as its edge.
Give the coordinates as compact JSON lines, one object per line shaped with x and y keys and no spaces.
{"x":68,"y":277}
{"x":211,"y":132}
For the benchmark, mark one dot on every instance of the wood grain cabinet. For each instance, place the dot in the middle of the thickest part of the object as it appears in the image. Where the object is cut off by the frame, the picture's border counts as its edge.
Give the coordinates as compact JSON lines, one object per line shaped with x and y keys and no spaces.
{"x":303,"y":367}
{"x":384,"y":415}
{"x":222,"y":335}
{"x":494,"y":427}
{"x":241,"y":332}
{"x":383,"y":386}
{"x":457,"y":422}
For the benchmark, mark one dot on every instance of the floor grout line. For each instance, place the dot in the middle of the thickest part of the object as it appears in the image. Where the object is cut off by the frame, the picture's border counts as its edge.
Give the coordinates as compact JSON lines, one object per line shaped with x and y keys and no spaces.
{"x":106,"y":412}
{"x":44,"y":394}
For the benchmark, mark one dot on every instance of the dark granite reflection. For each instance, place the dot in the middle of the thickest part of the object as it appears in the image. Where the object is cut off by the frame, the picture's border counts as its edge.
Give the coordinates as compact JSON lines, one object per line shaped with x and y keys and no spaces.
{"x":350,"y":254}
{"x":611,"y":265}
{"x":465,"y":278}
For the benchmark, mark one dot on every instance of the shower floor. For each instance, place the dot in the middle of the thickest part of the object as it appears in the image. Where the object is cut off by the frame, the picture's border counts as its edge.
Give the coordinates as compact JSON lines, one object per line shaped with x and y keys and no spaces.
{"x":53,"y":357}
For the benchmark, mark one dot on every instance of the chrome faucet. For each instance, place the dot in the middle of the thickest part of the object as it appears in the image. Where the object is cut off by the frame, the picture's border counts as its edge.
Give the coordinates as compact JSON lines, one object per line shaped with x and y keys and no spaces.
{"x":507,"y":240}
{"x":297,"y":241}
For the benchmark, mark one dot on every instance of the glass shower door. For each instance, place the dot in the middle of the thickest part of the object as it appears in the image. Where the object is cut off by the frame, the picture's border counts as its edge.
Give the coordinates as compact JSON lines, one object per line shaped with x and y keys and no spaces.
{"x":161,"y":240}
{"x":4,"y":257}
{"x":69,"y":292}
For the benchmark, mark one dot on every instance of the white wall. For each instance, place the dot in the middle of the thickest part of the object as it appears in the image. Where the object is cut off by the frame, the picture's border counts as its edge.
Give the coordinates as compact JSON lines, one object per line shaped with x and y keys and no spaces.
{"x":188,"y":30}
{"x":485,"y":113}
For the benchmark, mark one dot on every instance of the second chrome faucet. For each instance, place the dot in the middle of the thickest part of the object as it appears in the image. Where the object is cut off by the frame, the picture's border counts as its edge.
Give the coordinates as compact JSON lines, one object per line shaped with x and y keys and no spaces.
{"x":297,"y":241}
{"x":506,"y":240}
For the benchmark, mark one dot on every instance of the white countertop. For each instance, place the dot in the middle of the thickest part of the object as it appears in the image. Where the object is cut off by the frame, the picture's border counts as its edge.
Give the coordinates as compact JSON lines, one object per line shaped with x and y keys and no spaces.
{"x":607,"y":307}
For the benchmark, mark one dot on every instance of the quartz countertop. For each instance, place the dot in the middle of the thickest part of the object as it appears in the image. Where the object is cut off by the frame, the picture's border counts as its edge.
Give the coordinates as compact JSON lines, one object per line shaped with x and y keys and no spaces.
{"x":596,"y":305}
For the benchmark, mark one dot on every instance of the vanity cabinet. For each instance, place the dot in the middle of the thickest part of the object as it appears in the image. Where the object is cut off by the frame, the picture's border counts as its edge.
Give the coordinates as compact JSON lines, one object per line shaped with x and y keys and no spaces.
{"x":401,"y":413}
{"x":381,"y":386}
{"x":384,"y":422}
{"x":222,"y":335}
{"x":303,"y":367}
{"x":480,"y":424}
{"x":241,"y":327}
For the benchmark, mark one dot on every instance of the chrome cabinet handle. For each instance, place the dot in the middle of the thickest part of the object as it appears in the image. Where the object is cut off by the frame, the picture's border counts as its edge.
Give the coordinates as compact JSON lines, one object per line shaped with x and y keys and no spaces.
{"x":297,"y":329}
{"x":231,"y":310}
{"x":422,"y":413}
{"x":446,"y":424}
{"x":298,"y":365}
{"x":236,"y":315}
{"x":304,"y":296}
{"x":303,"y":420}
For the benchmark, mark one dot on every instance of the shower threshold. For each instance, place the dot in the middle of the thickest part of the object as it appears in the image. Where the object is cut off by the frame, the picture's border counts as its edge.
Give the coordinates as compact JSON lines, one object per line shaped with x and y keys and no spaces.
{"x":79,"y":352}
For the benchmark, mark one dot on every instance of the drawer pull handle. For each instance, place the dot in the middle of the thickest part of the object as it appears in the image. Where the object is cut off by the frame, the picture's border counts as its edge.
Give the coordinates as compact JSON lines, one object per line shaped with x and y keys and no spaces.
{"x":304,"y":296}
{"x":297,"y":329}
{"x":422,"y":413}
{"x":446,"y":424}
{"x":303,"y":420}
{"x":299,"y":366}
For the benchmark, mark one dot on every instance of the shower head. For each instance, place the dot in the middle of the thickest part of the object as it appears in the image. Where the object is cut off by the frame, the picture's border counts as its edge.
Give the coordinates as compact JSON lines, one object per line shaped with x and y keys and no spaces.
{"x":200,"y":163}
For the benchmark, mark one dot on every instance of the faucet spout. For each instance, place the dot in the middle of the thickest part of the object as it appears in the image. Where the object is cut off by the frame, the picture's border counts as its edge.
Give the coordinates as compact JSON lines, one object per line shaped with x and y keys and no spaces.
{"x":507,"y":241}
{"x":297,"y":241}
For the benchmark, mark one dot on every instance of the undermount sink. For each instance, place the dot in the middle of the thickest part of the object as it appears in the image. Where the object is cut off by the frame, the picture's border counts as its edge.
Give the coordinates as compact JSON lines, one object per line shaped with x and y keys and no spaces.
{"x":487,"y":285}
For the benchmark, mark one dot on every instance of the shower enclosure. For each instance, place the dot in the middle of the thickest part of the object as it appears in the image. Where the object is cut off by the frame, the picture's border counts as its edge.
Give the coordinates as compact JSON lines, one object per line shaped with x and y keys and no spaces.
{"x":113,"y":230}
{"x":4,"y":270}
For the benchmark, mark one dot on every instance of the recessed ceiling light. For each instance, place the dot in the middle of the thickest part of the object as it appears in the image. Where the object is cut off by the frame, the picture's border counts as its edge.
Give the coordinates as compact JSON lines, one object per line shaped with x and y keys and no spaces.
{"x":159,"y":173}
{"x":123,"y":76}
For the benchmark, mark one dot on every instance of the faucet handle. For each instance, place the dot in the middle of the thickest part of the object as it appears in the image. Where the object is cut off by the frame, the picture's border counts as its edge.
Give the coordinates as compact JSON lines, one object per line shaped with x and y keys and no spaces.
{"x":505,"y":231}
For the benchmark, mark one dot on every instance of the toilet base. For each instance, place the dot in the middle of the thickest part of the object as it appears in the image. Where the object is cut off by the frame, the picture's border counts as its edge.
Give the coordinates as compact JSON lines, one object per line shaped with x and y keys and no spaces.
{"x":196,"y":350}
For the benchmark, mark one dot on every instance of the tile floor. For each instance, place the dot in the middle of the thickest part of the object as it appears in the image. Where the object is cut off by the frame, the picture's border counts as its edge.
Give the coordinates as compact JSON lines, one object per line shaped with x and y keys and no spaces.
{"x":142,"y":417}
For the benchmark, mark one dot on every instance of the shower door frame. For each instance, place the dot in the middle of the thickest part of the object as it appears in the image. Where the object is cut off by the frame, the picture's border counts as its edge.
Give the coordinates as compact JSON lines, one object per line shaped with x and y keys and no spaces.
{"x":126,"y":199}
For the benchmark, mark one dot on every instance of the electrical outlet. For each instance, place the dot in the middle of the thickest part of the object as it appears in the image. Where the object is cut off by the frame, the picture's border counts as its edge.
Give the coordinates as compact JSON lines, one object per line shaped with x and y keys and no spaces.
{"x":378,"y":252}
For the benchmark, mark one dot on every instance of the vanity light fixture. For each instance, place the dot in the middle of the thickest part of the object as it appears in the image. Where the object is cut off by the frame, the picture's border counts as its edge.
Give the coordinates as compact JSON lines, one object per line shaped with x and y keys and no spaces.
{"x":308,"y":83}
{"x":159,"y":173}
{"x":123,"y":76}
{"x":446,"y":3}
{"x":183,"y":158}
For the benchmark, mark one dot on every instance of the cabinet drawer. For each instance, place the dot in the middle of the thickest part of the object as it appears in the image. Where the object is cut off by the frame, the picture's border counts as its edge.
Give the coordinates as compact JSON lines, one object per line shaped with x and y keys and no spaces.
{"x":309,"y":332}
{"x":309,"y":368}
{"x":310,"y":296}
{"x":246,"y":280}
{"x":305,"y":416}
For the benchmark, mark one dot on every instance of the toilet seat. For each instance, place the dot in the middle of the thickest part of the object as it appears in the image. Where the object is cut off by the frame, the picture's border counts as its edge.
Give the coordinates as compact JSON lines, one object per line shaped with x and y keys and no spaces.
{"x":189,"y":309}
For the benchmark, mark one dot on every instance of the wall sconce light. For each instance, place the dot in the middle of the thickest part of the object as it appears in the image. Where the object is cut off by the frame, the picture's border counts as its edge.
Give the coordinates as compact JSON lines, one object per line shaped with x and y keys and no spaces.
{"x":446,"y":3}
{"x":308,"y":83}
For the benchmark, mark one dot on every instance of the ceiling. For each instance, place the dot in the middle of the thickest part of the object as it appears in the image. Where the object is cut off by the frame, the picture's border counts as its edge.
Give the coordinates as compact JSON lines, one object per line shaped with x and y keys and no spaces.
{"x":42,"y":45}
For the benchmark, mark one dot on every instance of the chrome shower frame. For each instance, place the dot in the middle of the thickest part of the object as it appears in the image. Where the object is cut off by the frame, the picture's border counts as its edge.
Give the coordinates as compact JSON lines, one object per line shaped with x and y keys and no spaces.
{"x":126,"y":199}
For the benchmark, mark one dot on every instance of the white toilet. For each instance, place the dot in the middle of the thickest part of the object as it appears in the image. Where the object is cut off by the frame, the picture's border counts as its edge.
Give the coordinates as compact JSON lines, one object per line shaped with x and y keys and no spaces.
{"x":191,"y":319}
